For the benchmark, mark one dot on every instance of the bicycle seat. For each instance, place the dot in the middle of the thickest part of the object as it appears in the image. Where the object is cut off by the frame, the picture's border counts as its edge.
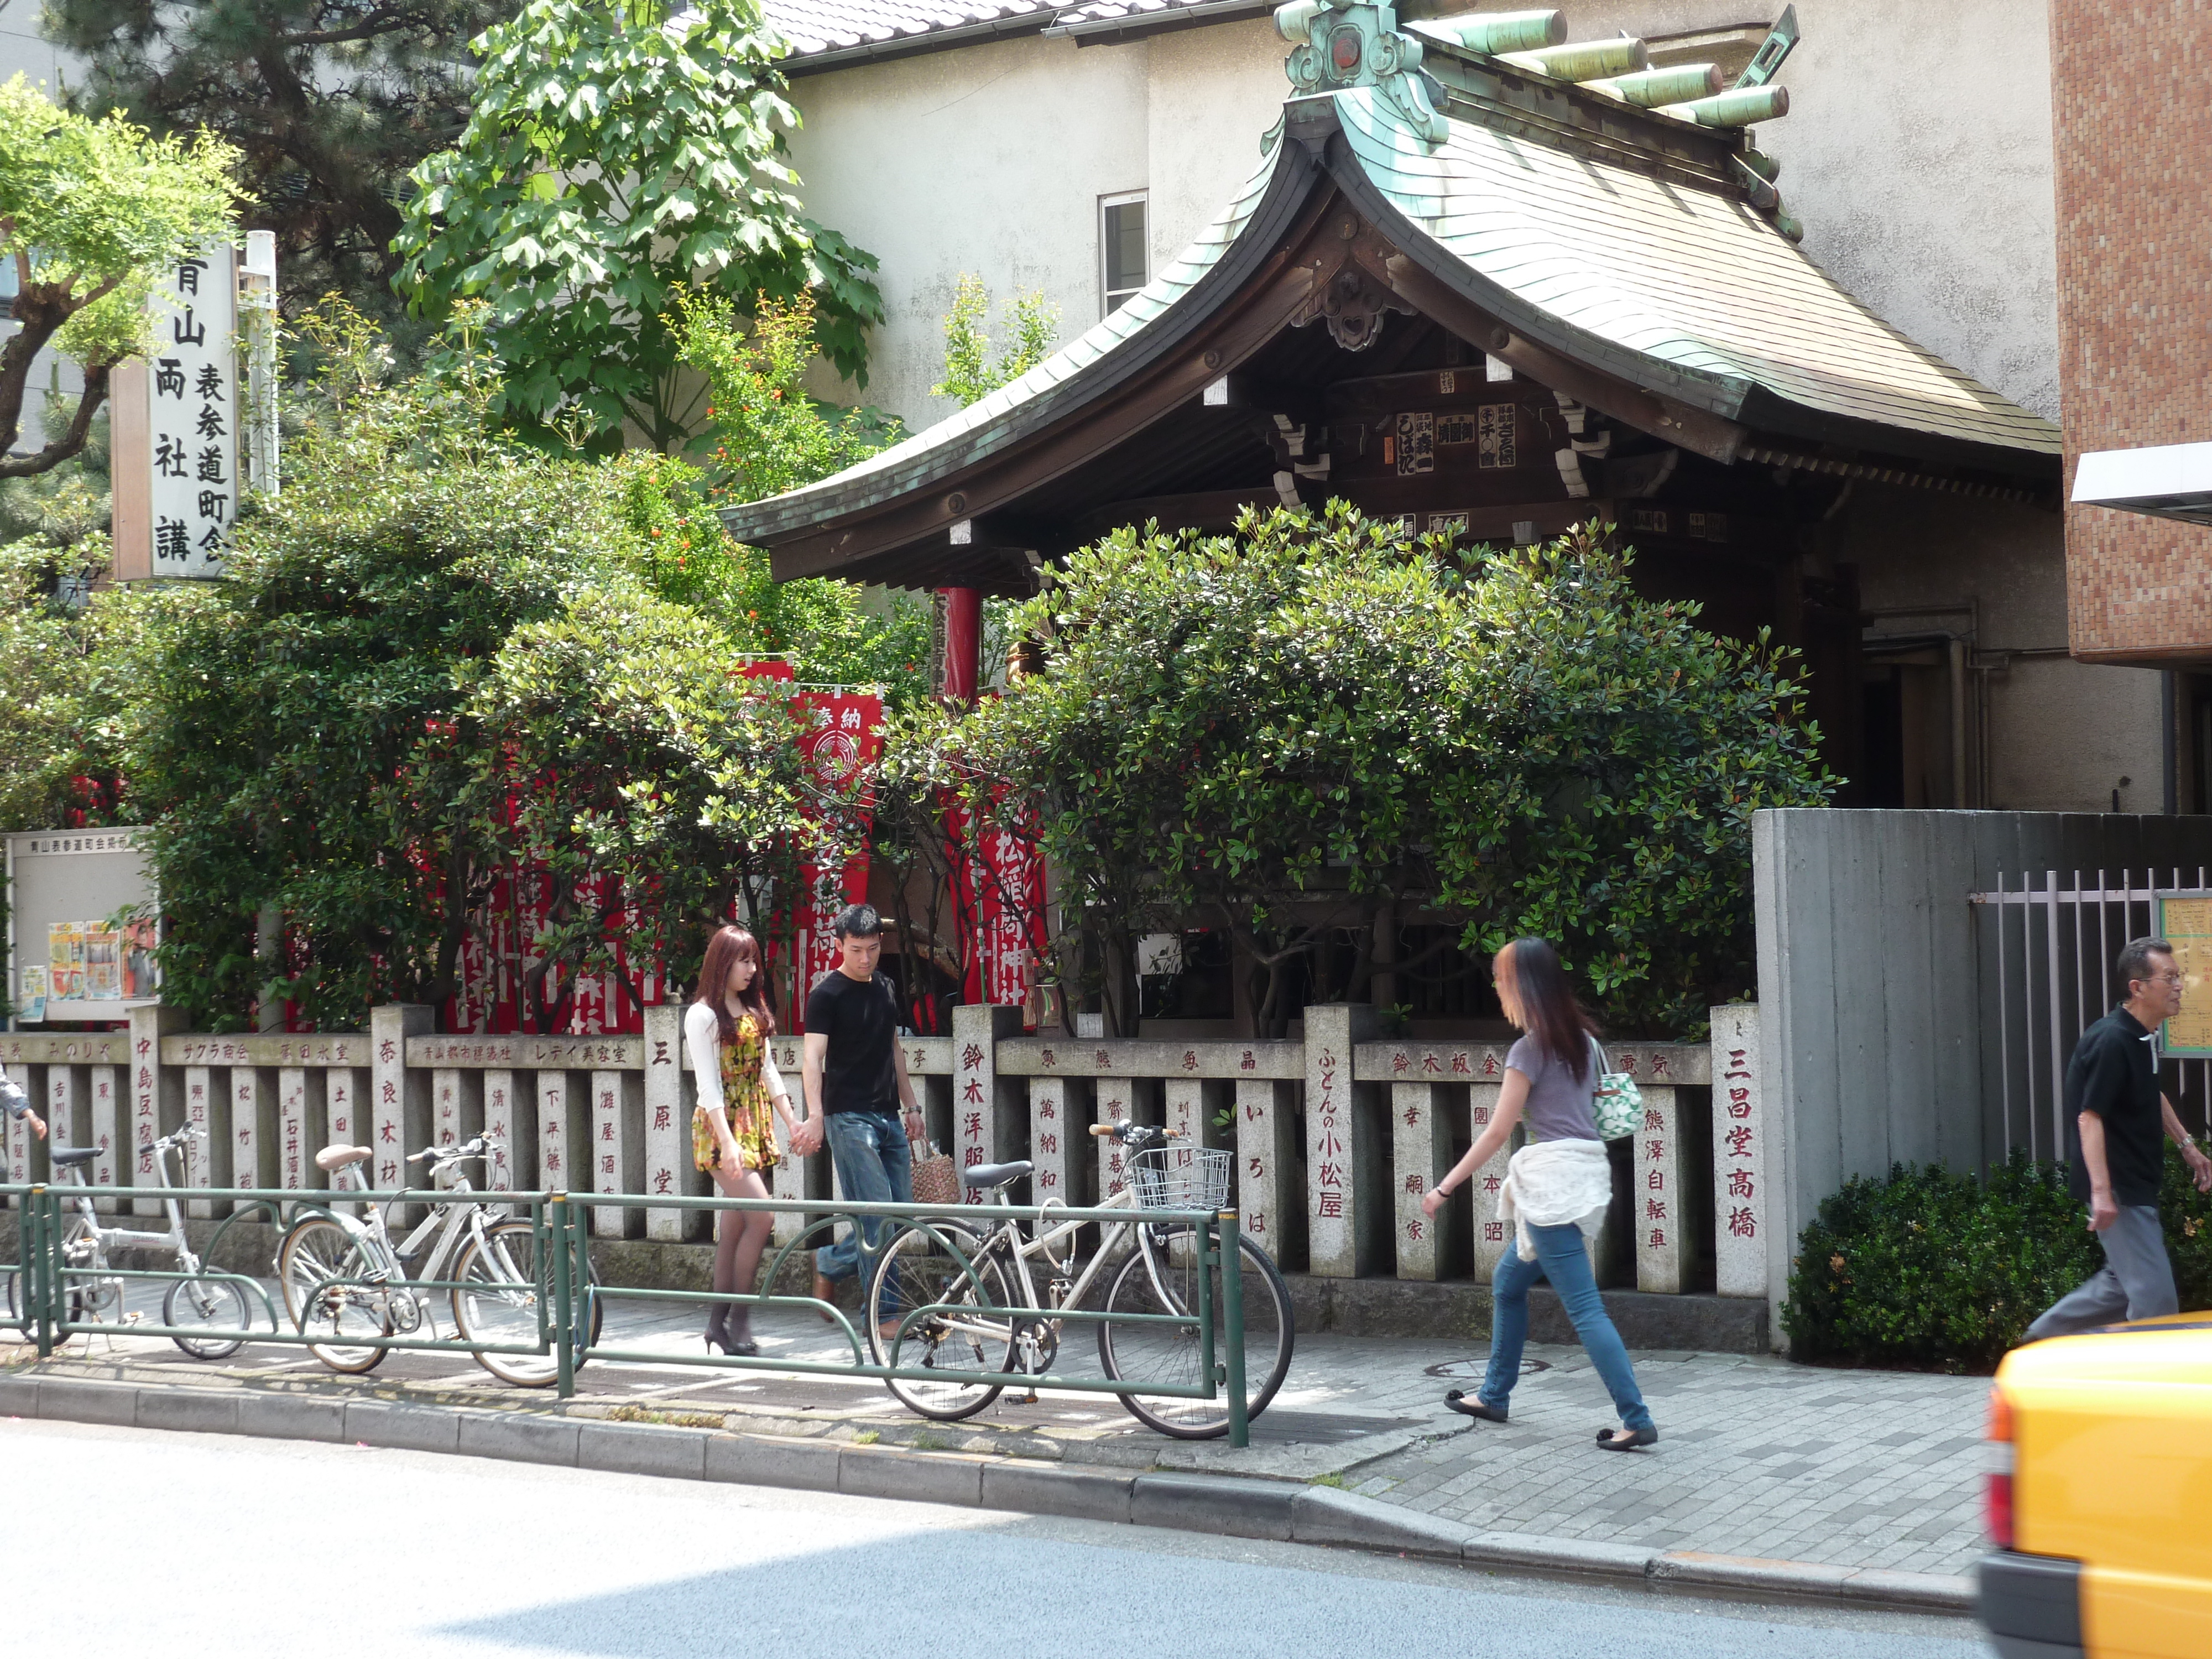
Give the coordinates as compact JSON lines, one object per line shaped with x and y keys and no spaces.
{"x":336,"y":1158}
{"x":68,"y":1157}
{"x":993,"y":1175}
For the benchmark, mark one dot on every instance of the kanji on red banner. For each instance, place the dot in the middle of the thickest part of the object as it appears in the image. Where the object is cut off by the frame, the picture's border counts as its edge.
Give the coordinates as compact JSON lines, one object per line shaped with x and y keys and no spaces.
{"x":842,"y":736}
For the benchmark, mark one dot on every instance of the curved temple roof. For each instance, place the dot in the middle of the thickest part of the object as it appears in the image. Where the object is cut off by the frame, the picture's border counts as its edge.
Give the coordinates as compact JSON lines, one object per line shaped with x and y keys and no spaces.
{"x":1654,"y":271}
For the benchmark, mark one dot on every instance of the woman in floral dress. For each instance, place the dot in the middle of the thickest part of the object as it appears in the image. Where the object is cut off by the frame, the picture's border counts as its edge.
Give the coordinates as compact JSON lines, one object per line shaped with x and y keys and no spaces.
{"x":732,"y":1127}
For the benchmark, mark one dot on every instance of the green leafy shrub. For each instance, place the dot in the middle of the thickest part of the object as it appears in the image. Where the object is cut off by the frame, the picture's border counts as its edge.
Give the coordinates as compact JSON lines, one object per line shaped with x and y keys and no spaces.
{"x":1278,"y":731}
{"x":1928,"y":1269}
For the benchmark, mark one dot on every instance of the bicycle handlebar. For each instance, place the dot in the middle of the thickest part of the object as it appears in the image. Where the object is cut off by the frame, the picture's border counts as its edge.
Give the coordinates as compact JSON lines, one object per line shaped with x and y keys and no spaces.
{"x":1126,"y":1131}
{"x":482,"y":1146}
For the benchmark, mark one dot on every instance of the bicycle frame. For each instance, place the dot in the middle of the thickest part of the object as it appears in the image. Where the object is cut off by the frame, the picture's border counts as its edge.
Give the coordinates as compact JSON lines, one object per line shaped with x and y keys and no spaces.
{"x":454,"y":1220}
{"x":87,"y":1228}
{"x":1022,"y":1249}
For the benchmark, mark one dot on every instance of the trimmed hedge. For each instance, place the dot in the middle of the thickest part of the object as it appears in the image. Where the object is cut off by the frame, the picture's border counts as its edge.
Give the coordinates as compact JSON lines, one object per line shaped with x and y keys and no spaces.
{"x":1930,"y":1270}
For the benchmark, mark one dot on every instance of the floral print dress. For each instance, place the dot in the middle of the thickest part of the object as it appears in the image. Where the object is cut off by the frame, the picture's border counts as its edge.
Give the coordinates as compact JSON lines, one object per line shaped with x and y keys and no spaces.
{"x":745,"y":1102}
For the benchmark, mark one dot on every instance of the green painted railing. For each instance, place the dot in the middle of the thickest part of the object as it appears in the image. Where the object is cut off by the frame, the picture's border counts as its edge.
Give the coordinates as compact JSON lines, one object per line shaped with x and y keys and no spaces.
{"x":568,"y":1314}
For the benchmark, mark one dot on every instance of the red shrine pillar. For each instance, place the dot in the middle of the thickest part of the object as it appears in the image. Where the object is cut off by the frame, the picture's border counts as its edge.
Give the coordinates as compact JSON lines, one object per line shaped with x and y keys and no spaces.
{"x":963,"y":643}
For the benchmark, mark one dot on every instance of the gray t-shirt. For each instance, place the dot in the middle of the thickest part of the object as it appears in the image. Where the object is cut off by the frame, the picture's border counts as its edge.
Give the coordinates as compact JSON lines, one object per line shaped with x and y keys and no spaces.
{"x":1558,"y":1106}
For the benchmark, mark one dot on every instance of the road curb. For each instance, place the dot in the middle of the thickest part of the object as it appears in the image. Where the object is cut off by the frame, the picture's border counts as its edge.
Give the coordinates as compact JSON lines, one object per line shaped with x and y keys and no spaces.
{"x":1231,"y":1506}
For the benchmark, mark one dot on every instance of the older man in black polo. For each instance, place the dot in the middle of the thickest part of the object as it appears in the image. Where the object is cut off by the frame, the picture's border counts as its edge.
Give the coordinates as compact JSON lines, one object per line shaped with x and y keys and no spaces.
{"x":2118,"y":1116}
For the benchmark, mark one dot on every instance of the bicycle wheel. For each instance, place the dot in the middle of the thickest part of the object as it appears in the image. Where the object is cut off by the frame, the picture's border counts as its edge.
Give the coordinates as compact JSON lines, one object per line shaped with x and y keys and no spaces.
{"x":977,"y":1334}
{"x":315,"y":1252}
{"x":1152,"y":1281}
{"x":218,"y":1303}
{"x":504,"y":1281}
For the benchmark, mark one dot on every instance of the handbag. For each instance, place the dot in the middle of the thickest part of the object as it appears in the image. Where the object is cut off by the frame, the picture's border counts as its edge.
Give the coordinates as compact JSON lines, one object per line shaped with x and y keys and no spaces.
{"x":936,"y":1182}
{"x":1620,"y":1103}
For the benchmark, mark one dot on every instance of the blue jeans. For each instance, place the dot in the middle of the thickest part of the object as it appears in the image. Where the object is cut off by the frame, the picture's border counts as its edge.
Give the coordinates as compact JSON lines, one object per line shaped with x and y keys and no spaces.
{"x":1561,"y":1259}
{"x":868,"y":1151}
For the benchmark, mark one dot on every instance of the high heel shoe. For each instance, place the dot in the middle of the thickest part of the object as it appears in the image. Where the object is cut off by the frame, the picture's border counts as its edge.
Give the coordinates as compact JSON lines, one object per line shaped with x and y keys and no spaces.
{"x":736,"y":1335}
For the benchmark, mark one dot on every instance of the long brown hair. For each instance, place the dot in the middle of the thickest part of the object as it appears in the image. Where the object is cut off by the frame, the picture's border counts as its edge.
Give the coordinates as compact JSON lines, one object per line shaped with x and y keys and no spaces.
{"x":729,"y":946}
{"x":1533,"y":989}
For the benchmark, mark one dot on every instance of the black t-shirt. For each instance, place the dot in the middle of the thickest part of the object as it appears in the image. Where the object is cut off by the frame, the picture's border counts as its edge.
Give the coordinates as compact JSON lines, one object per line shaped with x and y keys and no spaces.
{"x":2114,"y":1074}
{"x":860,"y":1018}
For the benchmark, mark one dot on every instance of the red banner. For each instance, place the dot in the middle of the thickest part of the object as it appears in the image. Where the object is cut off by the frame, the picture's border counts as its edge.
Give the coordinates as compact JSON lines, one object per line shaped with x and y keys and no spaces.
{"x":843,"y":736}
{"x":1009,"y":915}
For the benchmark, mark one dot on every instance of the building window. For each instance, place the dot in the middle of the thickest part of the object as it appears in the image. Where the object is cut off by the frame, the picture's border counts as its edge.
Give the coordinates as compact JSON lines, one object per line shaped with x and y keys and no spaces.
{"x":1123,"y":248}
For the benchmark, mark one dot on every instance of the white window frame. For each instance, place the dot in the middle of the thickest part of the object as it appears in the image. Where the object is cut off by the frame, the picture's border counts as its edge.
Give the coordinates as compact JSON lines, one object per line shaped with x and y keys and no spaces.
{"x":1110,"y":297}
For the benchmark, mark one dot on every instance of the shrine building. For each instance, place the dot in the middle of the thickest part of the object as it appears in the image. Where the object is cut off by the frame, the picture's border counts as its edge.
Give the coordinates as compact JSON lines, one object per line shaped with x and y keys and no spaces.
{"x":1493,"y":284}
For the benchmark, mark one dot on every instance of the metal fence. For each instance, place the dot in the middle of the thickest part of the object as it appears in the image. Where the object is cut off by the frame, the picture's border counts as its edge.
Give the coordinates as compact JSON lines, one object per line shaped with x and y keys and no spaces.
{"x":47,"y":1298}
{"x":2057,"y":935}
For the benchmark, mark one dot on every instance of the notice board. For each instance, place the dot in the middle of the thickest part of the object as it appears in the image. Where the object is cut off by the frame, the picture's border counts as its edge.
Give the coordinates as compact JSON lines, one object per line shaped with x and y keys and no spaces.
{"x":81,"y":925}
{"x":2186,"y":924}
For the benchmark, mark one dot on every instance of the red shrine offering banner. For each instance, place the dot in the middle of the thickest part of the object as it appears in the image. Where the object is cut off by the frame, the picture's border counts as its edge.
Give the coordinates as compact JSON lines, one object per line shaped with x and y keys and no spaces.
{"x":1009,"y":914}
{"x":843,"y":734}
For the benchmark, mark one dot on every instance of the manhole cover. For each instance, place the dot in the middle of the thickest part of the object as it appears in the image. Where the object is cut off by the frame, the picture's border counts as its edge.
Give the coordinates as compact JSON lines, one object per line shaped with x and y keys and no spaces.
{"x":1475,"y":1368}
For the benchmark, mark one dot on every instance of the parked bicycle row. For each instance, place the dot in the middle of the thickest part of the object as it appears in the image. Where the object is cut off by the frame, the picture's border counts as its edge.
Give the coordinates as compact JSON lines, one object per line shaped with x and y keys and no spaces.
{"x":956,"y":1307}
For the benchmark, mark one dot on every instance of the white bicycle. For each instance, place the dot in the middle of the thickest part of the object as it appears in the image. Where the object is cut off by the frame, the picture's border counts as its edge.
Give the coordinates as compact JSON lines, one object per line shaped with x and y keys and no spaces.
{"x":345,"y":1281}
{"x":94,"y":1290}
{"x":989,"y":1316}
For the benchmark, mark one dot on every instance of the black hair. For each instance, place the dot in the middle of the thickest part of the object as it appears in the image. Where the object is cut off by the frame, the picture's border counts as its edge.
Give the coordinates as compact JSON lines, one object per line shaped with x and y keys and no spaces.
{"x":2135,"y":955}
{"x":1561,"y":1026}
{"x":857,"y":921}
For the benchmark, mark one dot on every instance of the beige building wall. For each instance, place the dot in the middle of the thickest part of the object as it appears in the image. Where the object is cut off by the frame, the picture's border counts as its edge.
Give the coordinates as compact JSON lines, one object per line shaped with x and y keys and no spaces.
{"x":2047,"y":734}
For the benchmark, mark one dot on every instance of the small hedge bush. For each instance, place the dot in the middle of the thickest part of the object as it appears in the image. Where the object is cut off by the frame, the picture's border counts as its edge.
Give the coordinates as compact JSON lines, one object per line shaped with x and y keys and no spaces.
{"x":1930,"y":1270}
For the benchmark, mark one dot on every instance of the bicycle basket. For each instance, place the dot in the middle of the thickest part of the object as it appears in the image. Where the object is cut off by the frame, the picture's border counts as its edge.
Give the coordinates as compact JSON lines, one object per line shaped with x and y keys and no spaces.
{"x":1181,"y":1178}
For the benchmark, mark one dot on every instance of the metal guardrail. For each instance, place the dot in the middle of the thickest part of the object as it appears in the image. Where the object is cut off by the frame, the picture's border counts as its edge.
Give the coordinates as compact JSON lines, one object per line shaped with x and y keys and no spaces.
{"x":567,"y":1326}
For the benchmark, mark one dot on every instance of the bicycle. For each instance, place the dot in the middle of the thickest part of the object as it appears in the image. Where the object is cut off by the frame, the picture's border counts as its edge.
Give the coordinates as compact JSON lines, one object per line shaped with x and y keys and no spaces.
{"x":95,"y":1290}
{"x":1002,"y":1326}
{"x":346,"y":1276}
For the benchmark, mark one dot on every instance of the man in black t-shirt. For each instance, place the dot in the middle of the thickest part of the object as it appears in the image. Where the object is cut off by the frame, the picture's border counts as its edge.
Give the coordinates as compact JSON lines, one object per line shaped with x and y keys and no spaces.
{"x":856,"y":1081}
{"x":2119,"y":1121}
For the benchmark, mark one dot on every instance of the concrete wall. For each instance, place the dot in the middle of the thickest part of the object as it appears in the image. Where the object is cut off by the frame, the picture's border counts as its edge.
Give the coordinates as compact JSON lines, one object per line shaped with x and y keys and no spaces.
{"x":2051,"y":734}
{"x":1878,"y":983}
{"x":990,"y":161}
{"x":1917,"y":152}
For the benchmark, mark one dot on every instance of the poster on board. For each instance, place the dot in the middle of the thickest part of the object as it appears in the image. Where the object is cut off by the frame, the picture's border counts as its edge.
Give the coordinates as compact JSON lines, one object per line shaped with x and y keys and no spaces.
{"x":81,"y":925}
{"x":2186,"y":923}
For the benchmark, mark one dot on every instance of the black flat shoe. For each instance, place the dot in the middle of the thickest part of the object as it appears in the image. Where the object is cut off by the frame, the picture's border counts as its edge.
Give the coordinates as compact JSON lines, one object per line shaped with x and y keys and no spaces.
{"x":1626,"y":1440}
{"x":1469,"y":1406}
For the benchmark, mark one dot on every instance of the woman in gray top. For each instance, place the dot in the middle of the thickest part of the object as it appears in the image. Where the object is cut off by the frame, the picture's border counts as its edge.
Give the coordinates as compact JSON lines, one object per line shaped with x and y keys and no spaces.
{"x":1560,"y":1186}
{"x":17,"y":1105}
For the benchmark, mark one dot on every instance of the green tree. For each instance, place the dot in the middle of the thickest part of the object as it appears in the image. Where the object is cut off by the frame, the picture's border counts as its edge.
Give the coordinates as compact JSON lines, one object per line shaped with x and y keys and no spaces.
{"x":327,"y":103}
{"x":72,"y":653}
{"x":617,"y":157}
{"x":309,"y":745}
{"x":623,"y":761}
{"x":768,"y":434}
{"x":1281,"y":732}
{"x":90,"y":212}
{"x":969,"y":373}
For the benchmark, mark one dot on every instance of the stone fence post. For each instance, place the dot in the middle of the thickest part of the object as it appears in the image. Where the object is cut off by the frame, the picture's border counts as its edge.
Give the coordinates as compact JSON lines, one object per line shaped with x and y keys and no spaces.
{"x":1346,"y":1223}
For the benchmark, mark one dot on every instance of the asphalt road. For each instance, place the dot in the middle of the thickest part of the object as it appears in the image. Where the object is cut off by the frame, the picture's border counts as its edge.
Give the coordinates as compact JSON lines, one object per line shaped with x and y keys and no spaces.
{"x":223,"y":1546}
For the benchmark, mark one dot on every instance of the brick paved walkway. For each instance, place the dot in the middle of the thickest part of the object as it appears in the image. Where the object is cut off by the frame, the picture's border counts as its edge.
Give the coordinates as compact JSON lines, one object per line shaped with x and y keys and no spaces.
{"x":1757,"y":1456}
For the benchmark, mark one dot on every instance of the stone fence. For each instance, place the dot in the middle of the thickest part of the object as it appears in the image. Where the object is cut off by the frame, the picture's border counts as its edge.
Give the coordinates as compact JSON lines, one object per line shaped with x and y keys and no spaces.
{"x":1336,"y":1137}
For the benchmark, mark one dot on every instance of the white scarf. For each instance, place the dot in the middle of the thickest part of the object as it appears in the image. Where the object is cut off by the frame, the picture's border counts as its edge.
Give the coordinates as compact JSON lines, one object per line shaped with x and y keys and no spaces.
{"x":1555,"y":1183}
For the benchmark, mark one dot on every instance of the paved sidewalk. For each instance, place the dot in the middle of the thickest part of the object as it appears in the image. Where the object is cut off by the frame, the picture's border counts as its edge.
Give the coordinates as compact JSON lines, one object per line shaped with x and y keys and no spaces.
{"x":1758,"y":1457}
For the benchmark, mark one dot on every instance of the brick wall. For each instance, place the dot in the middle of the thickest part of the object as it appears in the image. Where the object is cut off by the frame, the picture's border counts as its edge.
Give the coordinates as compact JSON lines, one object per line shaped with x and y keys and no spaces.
{"x":2132,"y":132}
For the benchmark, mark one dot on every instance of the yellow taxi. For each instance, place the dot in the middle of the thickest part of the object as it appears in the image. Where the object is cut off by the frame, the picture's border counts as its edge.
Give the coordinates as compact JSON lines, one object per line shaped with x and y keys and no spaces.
{"x":2102,"y":1509}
